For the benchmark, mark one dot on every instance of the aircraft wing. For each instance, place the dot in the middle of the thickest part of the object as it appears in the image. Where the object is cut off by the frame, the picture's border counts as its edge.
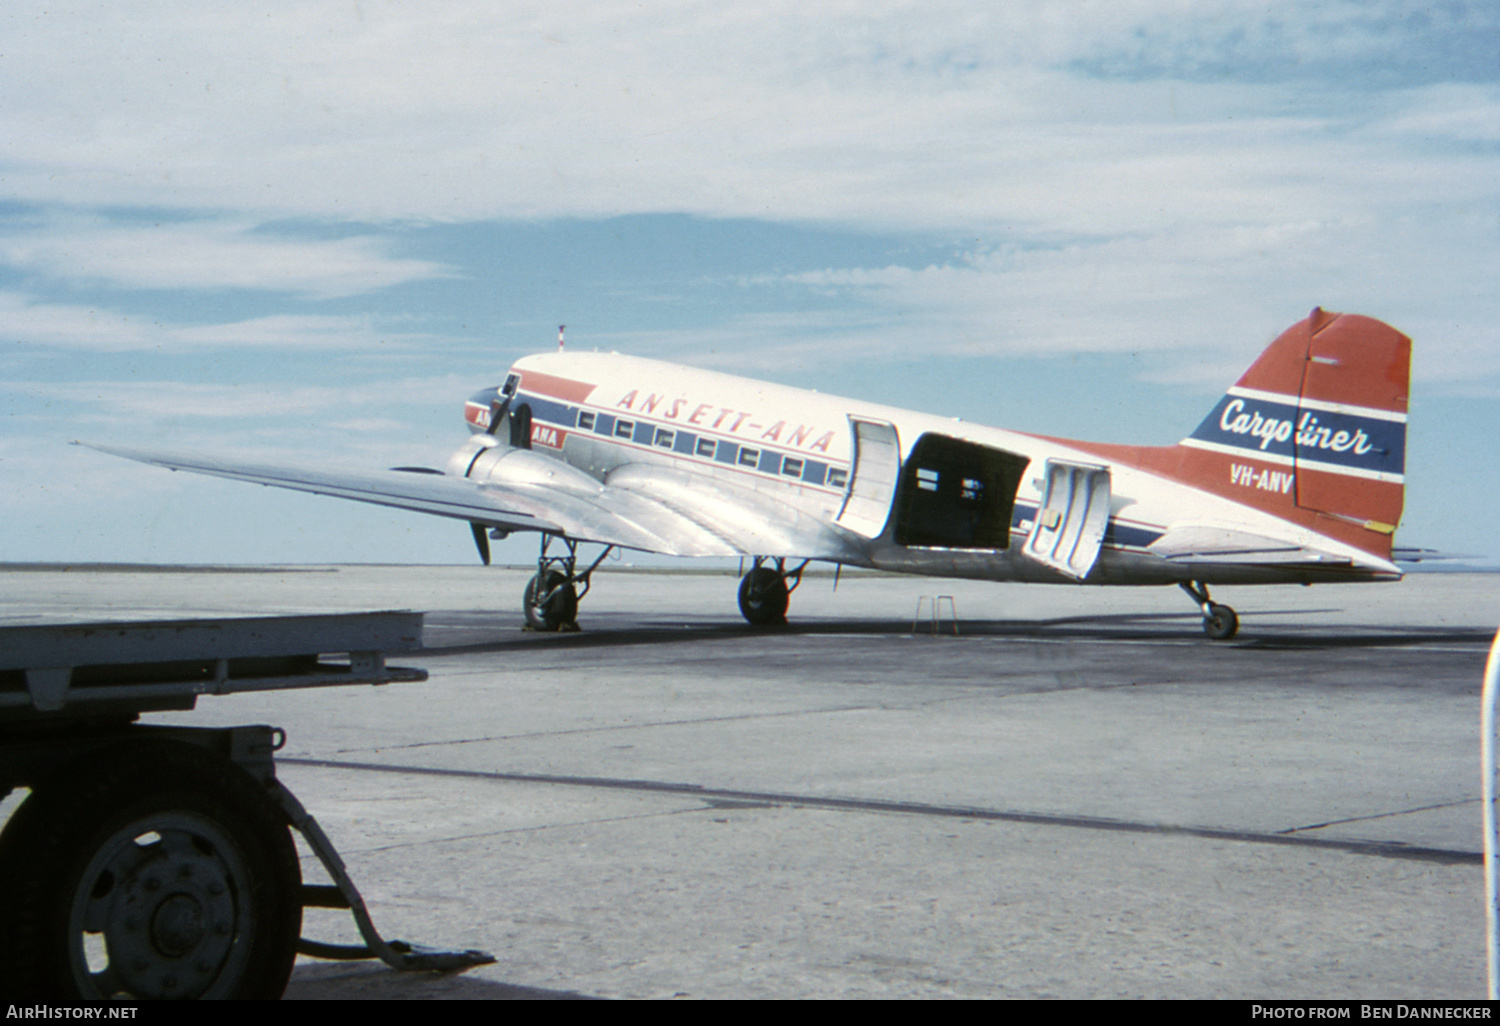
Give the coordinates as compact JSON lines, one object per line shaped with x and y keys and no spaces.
{"x":1207,"y":543}
{"x":637,"y":507}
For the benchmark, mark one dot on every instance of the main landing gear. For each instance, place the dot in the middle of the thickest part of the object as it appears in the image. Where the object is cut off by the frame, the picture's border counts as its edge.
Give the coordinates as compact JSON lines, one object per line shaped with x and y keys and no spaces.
{"x":764,"y":592}
{"x":1219,"y":621}
{"x":552,"y":596}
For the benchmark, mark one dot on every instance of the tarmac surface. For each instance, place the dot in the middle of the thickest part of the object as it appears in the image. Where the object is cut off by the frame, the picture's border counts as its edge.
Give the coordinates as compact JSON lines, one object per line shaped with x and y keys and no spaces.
{"x":1077,"y":794}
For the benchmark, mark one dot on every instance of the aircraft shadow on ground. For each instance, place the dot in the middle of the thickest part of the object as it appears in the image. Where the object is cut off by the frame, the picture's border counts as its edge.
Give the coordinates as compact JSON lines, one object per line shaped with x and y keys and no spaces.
{"x":1384,"y":639}
{"x":1136,"y":627}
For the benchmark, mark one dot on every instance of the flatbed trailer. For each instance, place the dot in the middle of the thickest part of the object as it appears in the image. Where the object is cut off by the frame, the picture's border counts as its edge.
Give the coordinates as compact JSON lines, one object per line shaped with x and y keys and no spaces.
{"x":156,"y":861}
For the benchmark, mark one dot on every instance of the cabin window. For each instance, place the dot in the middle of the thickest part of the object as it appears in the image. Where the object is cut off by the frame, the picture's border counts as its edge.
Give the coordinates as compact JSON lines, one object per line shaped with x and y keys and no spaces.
{"x":838,"y":477}
{"x":791,"y":467}
{"x":749,"y":457}
{"x":586,"y":420}
{"x":665,"y":437}
{"x":706,"y":447}
{"x":624,"y":428}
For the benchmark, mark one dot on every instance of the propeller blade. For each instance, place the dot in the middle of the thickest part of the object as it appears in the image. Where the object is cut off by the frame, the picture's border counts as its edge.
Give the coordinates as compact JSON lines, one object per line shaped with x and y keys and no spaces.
{"x":482,"y":540}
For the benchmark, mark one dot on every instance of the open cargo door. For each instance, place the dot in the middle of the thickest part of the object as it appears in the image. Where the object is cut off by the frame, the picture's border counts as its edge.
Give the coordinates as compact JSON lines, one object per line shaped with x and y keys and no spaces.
{"x":1070,"y":523}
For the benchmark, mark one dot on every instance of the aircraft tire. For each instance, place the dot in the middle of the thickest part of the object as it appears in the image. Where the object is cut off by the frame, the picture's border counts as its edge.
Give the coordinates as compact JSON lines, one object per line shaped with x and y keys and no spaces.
{"x":560,"y":612}
{"x":763,"y":597}
{"x":1221,"y":623}
{"x":154,"y":869}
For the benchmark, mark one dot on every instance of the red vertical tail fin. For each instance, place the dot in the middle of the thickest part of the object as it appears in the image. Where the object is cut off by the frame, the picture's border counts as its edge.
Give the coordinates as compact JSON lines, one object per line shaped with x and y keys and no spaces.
{"x":1316,"y":429}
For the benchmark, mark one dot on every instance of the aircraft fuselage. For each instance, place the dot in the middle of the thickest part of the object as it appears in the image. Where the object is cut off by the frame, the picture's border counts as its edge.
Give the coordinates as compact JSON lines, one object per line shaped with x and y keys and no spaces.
{"x":901,"y":490}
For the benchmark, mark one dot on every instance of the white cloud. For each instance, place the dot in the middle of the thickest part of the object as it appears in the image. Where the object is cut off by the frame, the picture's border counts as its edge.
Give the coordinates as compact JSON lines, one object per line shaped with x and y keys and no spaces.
{"x":60,"y":326}
{"x":1127,"y":157}
{"x":890,"y":112}
{"x":1206,"y":300}
{"x":1130,"y":158}
{"x":141,"y":402}
{"x":209,"y":255}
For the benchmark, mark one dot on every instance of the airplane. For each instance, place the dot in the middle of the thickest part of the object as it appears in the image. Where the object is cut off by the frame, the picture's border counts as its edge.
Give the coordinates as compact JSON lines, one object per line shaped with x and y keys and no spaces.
{"x":1296,"y":475}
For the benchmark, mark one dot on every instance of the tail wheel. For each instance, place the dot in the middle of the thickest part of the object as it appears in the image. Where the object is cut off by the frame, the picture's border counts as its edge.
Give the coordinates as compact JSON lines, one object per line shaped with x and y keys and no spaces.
{"x":763,"y":597}
{"x":156,"y":869}
{"x":1221,"y":623}
{"x":558,"y":611}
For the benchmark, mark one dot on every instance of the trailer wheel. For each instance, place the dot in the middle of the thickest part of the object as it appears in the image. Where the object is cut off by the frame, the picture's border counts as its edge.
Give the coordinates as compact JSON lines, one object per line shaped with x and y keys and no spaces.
{"x":152,"y":869}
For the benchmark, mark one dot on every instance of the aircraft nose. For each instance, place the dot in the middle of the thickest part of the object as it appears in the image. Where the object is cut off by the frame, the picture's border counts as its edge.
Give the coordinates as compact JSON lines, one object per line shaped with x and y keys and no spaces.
{"x":478,"y":407}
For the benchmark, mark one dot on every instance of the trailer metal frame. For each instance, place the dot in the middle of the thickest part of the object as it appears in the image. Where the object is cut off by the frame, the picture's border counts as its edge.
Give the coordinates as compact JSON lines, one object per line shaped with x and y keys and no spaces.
{"x":70,"y":696}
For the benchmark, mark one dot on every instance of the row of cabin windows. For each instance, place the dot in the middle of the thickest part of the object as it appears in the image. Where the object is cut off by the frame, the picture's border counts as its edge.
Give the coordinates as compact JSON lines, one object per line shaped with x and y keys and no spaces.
{"x":666,"y":438}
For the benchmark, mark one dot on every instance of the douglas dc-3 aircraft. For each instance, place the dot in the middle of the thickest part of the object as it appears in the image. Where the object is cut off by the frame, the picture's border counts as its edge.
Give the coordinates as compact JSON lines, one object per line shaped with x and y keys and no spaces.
{"x":1295,"y":476}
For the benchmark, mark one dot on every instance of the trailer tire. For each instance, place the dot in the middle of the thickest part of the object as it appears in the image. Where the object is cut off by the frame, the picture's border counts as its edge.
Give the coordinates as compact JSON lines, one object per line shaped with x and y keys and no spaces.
{"x":153,"y":869}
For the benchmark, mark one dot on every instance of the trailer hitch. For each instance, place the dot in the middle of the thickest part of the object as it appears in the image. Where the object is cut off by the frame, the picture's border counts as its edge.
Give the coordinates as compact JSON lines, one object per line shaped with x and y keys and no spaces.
{"x":342,"y":893}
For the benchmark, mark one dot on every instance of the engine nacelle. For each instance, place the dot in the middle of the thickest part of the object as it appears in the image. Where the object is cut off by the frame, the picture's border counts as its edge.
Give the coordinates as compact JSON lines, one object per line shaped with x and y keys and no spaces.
{"x":484,"y":459}
{"x":462,"y":459}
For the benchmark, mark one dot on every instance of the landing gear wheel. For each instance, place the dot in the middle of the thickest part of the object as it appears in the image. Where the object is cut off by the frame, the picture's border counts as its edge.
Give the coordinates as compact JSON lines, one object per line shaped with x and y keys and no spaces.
{"x":154,"y":870}
{"x":560,"y":611}
{"x":763,"y":597}
{"x":1221,"y":623}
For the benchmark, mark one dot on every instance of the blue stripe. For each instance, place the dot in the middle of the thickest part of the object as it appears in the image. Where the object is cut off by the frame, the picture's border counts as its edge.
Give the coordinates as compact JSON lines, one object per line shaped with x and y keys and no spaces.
{"x":1281,"y":429}
{"x":550,"y":410}
{"x":1116,"y":534}
{"x":1129,"y":535}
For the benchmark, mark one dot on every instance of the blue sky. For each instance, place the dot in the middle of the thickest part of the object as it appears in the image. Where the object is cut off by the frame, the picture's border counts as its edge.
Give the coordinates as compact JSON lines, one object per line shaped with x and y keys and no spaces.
{"x":311,"y":230}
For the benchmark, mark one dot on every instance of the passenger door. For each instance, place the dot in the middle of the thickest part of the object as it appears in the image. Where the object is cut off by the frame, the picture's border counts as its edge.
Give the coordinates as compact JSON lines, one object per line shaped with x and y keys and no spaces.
{"x":872,"y":486}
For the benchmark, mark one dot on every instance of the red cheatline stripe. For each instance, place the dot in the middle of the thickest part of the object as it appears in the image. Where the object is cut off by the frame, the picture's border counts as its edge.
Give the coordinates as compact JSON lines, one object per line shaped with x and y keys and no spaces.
{"x":557,"y":388}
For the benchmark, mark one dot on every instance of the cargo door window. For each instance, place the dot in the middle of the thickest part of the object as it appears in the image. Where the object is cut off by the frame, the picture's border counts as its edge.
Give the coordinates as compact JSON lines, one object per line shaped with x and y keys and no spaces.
{"x":957,"y":494}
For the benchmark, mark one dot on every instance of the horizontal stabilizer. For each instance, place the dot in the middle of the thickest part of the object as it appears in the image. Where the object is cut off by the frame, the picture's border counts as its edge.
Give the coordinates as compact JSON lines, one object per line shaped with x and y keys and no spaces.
{"x":1207,"y":543}
{"x":1416,"y":555}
